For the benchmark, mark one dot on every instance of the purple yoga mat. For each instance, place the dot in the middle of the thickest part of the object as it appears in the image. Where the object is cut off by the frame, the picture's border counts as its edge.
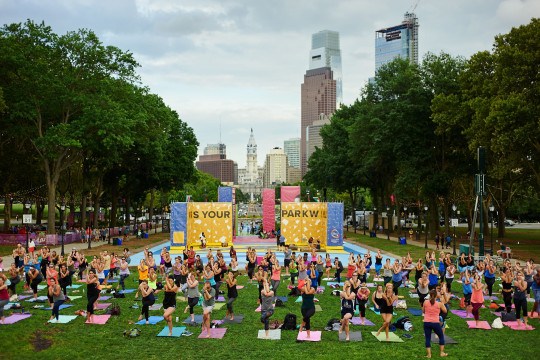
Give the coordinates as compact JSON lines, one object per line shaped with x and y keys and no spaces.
{"x":461,"y":313}
{"x":356,"y":321}
{"x":215,"y":333}
{"x":15,"y":317}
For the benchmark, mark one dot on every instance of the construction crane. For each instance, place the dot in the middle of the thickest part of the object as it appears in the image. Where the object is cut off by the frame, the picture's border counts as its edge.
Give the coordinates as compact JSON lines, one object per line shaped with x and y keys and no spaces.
{"x":413,"y":7}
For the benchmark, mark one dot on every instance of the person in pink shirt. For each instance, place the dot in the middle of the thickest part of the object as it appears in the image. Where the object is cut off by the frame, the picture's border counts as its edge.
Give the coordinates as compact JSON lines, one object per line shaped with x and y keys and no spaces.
{"x":477,"y":298}
{"x":431,"y":310}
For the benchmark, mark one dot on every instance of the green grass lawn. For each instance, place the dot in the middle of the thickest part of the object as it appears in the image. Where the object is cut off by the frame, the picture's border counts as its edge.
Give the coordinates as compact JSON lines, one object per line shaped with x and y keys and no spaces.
{"x":31,"y":338}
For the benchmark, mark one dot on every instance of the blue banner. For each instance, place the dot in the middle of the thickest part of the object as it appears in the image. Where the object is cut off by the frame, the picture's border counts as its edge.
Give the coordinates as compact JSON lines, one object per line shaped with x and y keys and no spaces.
{"x":225,"y":194}
{"x":178,"y":224}
{"x":334,"y":228}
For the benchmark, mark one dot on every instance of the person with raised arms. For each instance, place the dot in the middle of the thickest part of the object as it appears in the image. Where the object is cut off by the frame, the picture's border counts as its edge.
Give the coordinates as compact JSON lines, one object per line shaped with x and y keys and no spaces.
{"x":267,"y":309}
{"x":55,"y":292}
{"x":148,"y":299}
{"x":232,"y":294}
{"x":192,"y":295}
{"x":209,"y":301}
{"x":431,"y":310}
{"x":92,"y":293}
{"x":520,"y":297}
{"x":308,"y":306}
{"x":386,"y":306}
{"x":347,"y":308}
{"x":169,"y":301}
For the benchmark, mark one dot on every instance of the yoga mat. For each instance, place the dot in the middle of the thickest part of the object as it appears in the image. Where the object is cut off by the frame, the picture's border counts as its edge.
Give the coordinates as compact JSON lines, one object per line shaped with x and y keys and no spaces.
{"x":104,"y":298}
{"x":10,"y":305}
{"x":128,"y":291}
{"x":99,"y":319}
{"x":221,"y":299}
{"x":74,"y":286}
{"x":38,"y":299}
{"x":176,"y":331}
{"x":63,"y":306}
{"x":334,"y":283}
{"x":41,"y":287}
{"x":283,"y":298}
{"x":239,"y":287}
{"x":382,"y":337}
{"x":12,"y":319}
{"x":22,"y":297}
{"x":461,"y":313}
{"x":314,"y":336}
{"x":152,"y":320}
{"x":71,"y":298}
{"x":356,"y":321}
{"x":414,"y":296}
{"x":299,"y":299}
{"x":102,"y":306}
{"x":215,"y":333}
{"x":198,"y":320}
{"x":259,"y":308}
{"x":353,"y":336}
{"x":318,"y":308}
{"x":272,"y":335}
{"x":415,"y":312}
{"x":112,"y":281}
{"x":156,"y":307}
{"x":219,"y":306}
{"x":487,"y":297}
{"x":237,"y":319}
{"x":378,"y":279}
{"x":514,"y":325}
{"x":371,"y":285}
{"x":484,"y":325}
{"x":63,"y":319}
{"x":181,"y":298}
{"x":502,"y":305}
{"x":447,"y":339}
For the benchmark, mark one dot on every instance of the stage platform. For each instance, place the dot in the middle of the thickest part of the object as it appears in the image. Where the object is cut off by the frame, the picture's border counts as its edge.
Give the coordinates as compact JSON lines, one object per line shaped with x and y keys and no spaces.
{"x":242,"y":243}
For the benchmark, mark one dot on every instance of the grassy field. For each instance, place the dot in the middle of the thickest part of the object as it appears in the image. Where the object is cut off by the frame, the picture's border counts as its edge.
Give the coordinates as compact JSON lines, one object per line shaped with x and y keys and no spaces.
{"x":32,"y":338}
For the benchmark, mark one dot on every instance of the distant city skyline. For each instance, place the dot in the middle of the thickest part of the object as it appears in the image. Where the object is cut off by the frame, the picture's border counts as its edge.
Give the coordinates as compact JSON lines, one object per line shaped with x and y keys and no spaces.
{"x":239,"y":63}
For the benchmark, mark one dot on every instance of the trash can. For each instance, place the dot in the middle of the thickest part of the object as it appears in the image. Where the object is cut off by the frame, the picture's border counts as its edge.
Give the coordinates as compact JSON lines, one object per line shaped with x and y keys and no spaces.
{"x":117,"y":241}
{"x":145,"y":236}
{"x":464,"y":249}
{"x":372,"y":234}
{"x":403,"y":240}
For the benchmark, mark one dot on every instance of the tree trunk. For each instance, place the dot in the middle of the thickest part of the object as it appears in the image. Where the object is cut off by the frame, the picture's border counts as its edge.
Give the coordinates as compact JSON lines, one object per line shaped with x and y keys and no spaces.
{"x":51,"y":218}
{"x":83,"y":212}
{"x":151,"y":207}
{"x":40,"y":209}
{"x":500,"y":226}
{"x":7,"y":212}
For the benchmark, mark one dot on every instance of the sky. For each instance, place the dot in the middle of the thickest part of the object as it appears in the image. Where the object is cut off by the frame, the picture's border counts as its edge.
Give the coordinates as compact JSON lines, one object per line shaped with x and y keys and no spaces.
{"x":227,"y":66}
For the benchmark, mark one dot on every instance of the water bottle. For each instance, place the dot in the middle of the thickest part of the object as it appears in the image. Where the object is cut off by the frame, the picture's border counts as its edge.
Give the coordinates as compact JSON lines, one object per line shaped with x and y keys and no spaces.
{"x":177,"y":319}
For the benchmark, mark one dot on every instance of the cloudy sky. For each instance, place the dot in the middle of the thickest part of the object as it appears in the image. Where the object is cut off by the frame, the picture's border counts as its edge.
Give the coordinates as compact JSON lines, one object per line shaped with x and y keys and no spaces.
{"x":238,"y":64}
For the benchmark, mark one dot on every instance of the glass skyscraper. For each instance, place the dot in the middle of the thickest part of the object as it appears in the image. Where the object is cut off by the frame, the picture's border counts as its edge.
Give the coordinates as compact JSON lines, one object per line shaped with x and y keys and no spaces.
{"x":397,"y":41}
{"x":325,"y":52}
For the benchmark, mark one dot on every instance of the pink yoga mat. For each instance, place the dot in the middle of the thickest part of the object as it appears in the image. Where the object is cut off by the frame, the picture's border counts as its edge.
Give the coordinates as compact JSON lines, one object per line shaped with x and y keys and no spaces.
{"x":238,"y":287}
{"x":514,"y":325}
{"x":216,"y":333}
{"x":102,"y":306}
{"x":15,"y":317}
{"x":356,"y":321}
{"x":259,"y":308}
{"x":99,"y":319}
{"x":314,"y":336}
{"x":484,"y":325}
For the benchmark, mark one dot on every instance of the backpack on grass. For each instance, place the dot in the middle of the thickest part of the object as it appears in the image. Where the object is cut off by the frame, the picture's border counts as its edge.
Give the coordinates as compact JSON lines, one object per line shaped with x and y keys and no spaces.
{"x":289,"y":323}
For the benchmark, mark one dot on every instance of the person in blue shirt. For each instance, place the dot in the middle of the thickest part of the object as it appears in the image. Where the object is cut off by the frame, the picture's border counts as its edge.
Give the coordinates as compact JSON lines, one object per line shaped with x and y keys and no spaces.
{"x":313,"y":274}
{"x":467,"y":291}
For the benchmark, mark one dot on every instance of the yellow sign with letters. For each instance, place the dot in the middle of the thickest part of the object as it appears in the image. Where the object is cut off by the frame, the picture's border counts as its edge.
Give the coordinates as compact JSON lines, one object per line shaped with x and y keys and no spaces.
{"x":215,"y":220}
{"x":300,"y":221}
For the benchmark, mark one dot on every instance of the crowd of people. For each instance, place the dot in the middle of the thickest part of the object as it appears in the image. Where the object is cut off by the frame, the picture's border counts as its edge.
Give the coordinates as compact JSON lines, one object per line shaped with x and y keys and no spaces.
{"x":432,"y":278}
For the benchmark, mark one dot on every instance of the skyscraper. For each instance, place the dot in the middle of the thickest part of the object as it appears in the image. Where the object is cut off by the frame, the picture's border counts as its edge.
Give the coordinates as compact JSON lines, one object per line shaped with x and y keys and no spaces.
{"x":292,"y":150}
{"x":318,"y":98}
{"x":250,"y":177}
{"x":275,"y":168}
{"x":215,"y":162}
{"x":313,"y":136}
{"x":325,"y":52}
{"x":397,"y":41}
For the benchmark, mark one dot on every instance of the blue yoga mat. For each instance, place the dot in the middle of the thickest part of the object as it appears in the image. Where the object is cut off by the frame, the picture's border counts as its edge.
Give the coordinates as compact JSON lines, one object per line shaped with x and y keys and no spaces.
{"x":128,"y":291}
{"x":416,"y":312}
{"x":152,"y":320}
{"x":176,"y":331}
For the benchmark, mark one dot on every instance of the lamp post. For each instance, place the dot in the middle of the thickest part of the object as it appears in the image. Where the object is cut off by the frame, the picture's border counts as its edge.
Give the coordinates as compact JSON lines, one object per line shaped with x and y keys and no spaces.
{"x":426,"y":212}
{"x":405,"y":218}
{"x":307,"y":194}
{"x":387,"y":223}
{"x":364,"y":221}
{"x":454,"y":208}
{"x":491,"y":209}
{"x":62,"y":208}
{"x":27,"y":205}
{"x":89,"y":209}
{"x":110,"y":221}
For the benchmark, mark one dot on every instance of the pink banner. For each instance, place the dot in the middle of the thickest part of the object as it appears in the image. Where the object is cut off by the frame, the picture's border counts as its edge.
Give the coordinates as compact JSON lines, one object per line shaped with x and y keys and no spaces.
{"x":290,"y":194}
{"x":268,"y":206}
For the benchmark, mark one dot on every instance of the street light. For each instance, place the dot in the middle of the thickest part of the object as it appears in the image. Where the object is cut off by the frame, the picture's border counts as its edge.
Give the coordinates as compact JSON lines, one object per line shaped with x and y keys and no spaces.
{"x":62,"y":208}
{"x":491,"y":209}
{"x":364,"y":221}
{"x":426,"y":212}
{"x":454,"y":208}
{"x":27,"y":205}
{"x":89,"y":209}
{"x":388,"y":223}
